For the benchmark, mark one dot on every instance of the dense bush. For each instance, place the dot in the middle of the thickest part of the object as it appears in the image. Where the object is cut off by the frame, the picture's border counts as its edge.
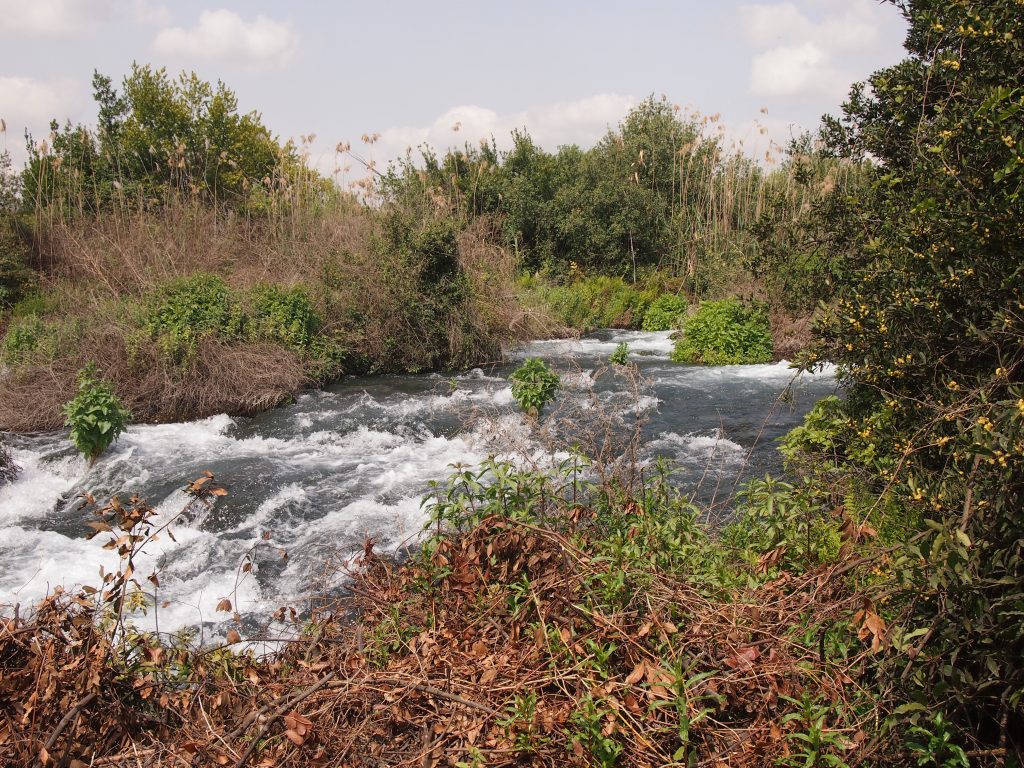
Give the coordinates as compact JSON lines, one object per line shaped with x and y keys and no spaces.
{"x":591,"y":302}
{"x":31,"y":337}
{"x":534,"y":385}
{"x":725,"y":332}
{"x":182,"y":313}
{"x":665,"y":313}
{"x":928,"y":335}
{"x":284,"y":315}
{"x":96,"y":415}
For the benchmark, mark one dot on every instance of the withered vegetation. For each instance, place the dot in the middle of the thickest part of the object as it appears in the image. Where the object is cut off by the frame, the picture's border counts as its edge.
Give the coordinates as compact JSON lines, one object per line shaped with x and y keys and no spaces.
{"x":549,"y":617}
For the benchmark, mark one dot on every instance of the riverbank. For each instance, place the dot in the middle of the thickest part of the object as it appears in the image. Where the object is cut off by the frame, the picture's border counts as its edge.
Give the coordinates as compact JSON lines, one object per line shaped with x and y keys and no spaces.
{"x":190,"y":314}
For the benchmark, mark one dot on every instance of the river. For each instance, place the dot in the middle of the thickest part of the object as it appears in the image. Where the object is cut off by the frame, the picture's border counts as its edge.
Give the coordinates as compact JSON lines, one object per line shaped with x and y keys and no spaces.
{"x":354,"y":460}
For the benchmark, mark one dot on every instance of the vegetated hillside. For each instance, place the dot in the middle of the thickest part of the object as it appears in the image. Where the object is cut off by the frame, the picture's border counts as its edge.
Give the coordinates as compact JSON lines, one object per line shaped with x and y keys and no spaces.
{"x":205,"y":268}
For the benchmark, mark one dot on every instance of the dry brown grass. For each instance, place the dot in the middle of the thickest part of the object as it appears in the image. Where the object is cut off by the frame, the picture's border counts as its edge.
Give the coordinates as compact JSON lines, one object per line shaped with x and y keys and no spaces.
{"x":367,"y":686}
{"x":791,"y":335}
{"x":238,"y":379}
{"x":97,"y":272}
{"x":132,"y":252}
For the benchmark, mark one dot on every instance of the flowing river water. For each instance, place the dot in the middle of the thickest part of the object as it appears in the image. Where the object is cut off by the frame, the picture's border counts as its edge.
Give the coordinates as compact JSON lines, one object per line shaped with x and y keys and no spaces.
{"x":354,"y":460}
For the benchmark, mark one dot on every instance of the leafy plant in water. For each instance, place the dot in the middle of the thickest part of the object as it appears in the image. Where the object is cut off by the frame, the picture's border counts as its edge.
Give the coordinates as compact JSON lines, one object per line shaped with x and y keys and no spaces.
{"x":621,"y":354}
{"x":725,"y":332}
{"x":534,"y":385}
{"x":96,"y":415}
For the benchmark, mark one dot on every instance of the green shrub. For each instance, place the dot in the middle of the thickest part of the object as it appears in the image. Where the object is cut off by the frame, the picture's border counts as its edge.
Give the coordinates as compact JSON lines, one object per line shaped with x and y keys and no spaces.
{"x":96,"y":415}
{"x":621,"y":354}
{"x":286,"y":316}
{"x":15,"y":276}
{"x":534,"y":385}
{"x":665,"y":313}
{"x":589,"y":303}
{"x":184,"y":312}
{"x":725,"y":333}
{"x":26,"y":337}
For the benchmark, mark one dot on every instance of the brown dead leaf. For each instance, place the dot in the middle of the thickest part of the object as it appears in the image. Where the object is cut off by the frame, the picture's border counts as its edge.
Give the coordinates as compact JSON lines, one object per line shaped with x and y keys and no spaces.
{"x":637,"y":674}
{"x":743,"y":659}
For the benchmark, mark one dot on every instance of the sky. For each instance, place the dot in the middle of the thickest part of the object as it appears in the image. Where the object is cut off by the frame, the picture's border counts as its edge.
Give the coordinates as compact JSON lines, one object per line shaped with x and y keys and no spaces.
{"x":451,"y":71}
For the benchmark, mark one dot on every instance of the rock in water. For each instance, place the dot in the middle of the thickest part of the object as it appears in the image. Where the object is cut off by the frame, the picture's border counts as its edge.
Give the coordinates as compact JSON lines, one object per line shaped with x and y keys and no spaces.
{"x":8,"y":469}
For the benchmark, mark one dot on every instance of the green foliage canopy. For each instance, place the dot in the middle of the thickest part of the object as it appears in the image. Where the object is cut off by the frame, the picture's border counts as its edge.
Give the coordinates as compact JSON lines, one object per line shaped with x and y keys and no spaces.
{"x":159,"y":136}
{"x":928,"y":332}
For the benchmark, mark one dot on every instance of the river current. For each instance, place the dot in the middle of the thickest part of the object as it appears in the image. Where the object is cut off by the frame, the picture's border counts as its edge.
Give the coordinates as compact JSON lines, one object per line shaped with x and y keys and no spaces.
{"x":354,"y":461}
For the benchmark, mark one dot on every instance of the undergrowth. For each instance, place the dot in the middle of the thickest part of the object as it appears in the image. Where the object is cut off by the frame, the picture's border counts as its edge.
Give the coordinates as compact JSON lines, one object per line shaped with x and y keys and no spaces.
{"x":725,"y":332}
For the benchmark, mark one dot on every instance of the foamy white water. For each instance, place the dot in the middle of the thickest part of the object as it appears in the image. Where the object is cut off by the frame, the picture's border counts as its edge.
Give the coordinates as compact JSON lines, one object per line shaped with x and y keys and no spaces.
{"x":352,"y":462}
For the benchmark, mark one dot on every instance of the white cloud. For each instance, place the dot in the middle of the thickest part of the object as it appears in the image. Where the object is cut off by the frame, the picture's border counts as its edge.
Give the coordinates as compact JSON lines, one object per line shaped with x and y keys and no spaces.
{"x":796,"y":70}
{"x":809,"y":47}
{"x":50,"y":18}
{"x":224,"y":35}
{"x":30,"y":104}
{"x":845,"y":27}
{"x":152,"y":14}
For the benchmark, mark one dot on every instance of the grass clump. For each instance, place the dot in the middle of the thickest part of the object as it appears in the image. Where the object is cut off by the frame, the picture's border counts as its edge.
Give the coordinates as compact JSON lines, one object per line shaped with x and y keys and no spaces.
{"x":96,"y":415}
{"x":725,"y":332}
{"x":665,"y":313}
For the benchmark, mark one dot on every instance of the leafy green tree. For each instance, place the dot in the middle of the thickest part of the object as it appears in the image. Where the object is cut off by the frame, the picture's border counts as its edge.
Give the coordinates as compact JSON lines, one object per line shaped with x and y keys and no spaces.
{"x":805,"y":233}
{"x":156,"y":137}
{"x":928,"y":332}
